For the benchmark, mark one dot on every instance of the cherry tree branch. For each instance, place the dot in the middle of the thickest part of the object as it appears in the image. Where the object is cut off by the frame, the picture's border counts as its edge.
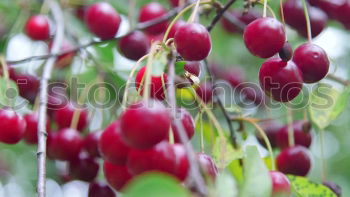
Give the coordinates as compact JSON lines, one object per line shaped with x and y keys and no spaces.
{"x":338,"y":79}
{"x":42,"y":133}
{"x":219,"y":15}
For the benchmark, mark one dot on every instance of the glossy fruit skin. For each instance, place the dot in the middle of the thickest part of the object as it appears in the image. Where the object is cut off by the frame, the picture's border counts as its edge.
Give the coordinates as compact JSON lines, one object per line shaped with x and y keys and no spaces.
{"x":343,"y":13}
{"x":193,"y":42}
{"x":117,"y":176}
{"x":182,"y":164}
{"x":205,"y":91}
{"x":207,"y":165}
{"x":12,"y":126}
{"x":102,"y":20}
{"x":31,"y":132}
{"x":64,"y":116}
{"x":84,"y":167}
{"x":134,"y":45}
{"x":159,"y":158}
{"x":294,"y":160}
{"x":244,"y":18}
{"x":65,"y":144}
{"x":193,"y":67}
{"x":150,"y":12}
{"x":330,"y":7}
{"x":280,"y":80}
{"x":174,"y":3}
{"x":280,"y":184}
{"x":302,"y":134}
{"x":28,"y":85}
{"x":313,"y":62}
{"x":38,"y":27}
{"x":175,"y":27}
{"x":156,"y":90}
{"x":100,"y":189}
{"x":264,"y":37}
{"x":334,"y":187}
{"x":188,"y":123}
{"x":111,"y":145}
{"x":286,"y":53}
{"x":91,"y":143}
{"x":271,"y":128}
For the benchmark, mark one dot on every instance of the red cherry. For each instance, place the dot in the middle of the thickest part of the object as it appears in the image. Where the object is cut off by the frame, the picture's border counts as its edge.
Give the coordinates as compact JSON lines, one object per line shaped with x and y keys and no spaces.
{"x":57,"y":97}
{"x":302,"y":135}
{"x":280,"y":184}
{"x":187,"y":122}
{"x":242,"y":17}
{"x":38,"y":27}
{"x":102,"y":20}
{"x":134,"y":45}
{"x":175,"y":27}
{"x":150,"y":12}
{"x":66,"y":58}
{"x":112,"y":148}
{"x":192,"y":41}
{"x":91,"y":143}
{"x":80,"y":12}
{"x":207,"y":164}
{"x":182,"y":164}
{"x":342,"y":13}
{"x":28,"y":85}
{"x":205,"y":91}
{"x":100,"y":189}
{"x":270,"y":128}
{"x":264,"y":37}
{"x":65,"y":144}
{"x":193,"y":67}
{"x":280,"y":80}
{"x":64,"y":116}
{"x":12,"y":126}
{"x":313,"y":62}
{"x":156,"y":89}
{"x":294,"y":160}
{"x":31,"y":132}
{"x":174,"y":3}
{"x":159,"y":158}
{"x":84,"y":167}
{"x":153,"y":123}
{"x":116,"y":176}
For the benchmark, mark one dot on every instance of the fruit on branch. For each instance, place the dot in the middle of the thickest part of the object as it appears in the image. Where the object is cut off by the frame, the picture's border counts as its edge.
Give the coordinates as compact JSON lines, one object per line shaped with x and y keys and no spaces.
{"x":280,"y":80}
{"x":64,"y":116}
{"x":175,"y":3}
{"x":66,"y":58}
{"x":286,"y":53}
{"x":193,"y":67}
{"x":270,"y":128}
{"x":182,"y":164}
{"x":117,"y":176}
{"x":280,"y":184}
{"x":301,"y":132}
{"x":205,"y":91}
{"x":100,"y":189}
{"x":313,"y":62}
{"x":91,"y":143}
{"x":84,"y":167}
{"x":240,"y":16}
{"x":207,"y":165}
{"x":38,"y":27}
{"x":330,"y":7}
{"x":334,"y":187}
{"x":153,"y":123}
{"x":31,"y":132}
{"x":176,"y":27}
{"x":343,"y":13}
{"x":102,"y":20}
{"x":156,"y":89}
{"x":134,"y":45}
{"x":188,"y":123}
{"x":111,"y":145}
{"x":57,"y":97}
{"x":264,"y":37}
{"x":12,"y":126}
{"x":150,"y":12}
{"x":28,"y":85}
{"x":294,"y":160}
{"x":192,"y":41}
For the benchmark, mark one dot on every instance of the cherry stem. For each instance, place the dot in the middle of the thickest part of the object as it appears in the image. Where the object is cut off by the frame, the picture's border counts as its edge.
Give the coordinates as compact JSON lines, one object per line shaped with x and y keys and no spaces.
{"x":338,"y":79}
{"x":194,"y":13}
{"x":265,"y":7}
{"x":131,"y":12}
{"x":148,"y":73}
{"x":307,"y":18}
{"x":323,"y":161}
{"x":291,"y":140}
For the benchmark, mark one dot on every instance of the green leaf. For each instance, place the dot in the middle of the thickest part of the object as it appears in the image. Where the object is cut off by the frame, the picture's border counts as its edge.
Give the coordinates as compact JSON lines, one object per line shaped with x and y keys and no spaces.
{"x":257,"y":179}
{"x":155,"y":185}
{"x":341,"y":103}
{"x":8,"y":92}
{"x":105,"y":53}
{"x":179,"y":68}
{"x":236,"y":170}
{"x":305,"y":188}
{"x":225,"y":186}
{"x":224,"y":154}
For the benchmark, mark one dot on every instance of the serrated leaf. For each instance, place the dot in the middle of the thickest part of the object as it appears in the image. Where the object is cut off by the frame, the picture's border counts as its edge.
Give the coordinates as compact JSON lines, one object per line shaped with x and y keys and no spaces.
{"x":224,"y":154}
{"x":8,"y":92}
{"x":305,"y":188}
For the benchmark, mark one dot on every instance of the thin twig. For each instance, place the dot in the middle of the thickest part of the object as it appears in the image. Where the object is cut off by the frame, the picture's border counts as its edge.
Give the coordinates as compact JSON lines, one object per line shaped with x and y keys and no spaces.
{"x":219,"y":15}
{"x":338,"y":79}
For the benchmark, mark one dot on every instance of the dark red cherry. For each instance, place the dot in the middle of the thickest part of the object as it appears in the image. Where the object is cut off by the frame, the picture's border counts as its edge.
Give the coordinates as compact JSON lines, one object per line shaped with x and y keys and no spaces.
{"x":182,"y":164}
{"x":294,"y":160}
{"x":334,"y":187}
{"x":343,"y":14}
{"x":28,"y":85}
{"x":150,"y":12}
{"x":91,"y":143}
{"x":264,"y":37}
{"x":134,"y":45}
{"x":159,"y":158}
{"x":64,"y":116}
{"x":12,"y":126}
{"x":286,"y":53}
{"x":330,"y":7}
{"x":240,"y":16}
{"x":84,"y":167}
{"x":280,"y":80}
{"x":100,"y":189}
{"x":270,"y":128}
{"x":112,"y":147}
{"x":174,"y":3}
{"x":66,"y":58}
{"x":176,"y":27}
{"x":193,"y":42}
{"x":57,"y":97}
{"x":156,"y":89}
{"x":205,"y":91}
{"x":102,"y":20}
{"x":65,"y":144}
{"x":187,"y":121}
{"x":193,"y":67}
{"x":80,"y":12}
{"x":302,"y":134}
{"x":313,"y":62}
{"x":207,"y":165}
{"x":31,"y":132}
{"x":38,"y":27}
{"x":117,"y":176}
{"x":280,"y":184}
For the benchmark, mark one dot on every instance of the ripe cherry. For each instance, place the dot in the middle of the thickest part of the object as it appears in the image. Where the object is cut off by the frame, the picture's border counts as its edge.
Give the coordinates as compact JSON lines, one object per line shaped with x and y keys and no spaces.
{"x":12,"y":126}
{"x":134,"y":45}
{"x":84,"y":167}
{"x":156,"y":89}
{"x":188,"y":123}
{"x":334,"y":187}
{"x":28,"y":85}
{"x":117,"y":176}
{"x":102,"y":20}
{"x":294,"y":160}
{"x":112,"y":147}
{"x":286,"y":53}
{"x":31,"y":132}
{"x":174,"y":3}
{"x":313,"y":62}
{"x":240,"y":16}
{"x":150,"y":12}
{"x":182,"y":164}
{"x":100,"y":189}
{"x":38,"y":27}
{"x":270,"y":128}
{"x":264,"y":37}
{"x":91,"y":143}
{"x":175,"y":27}
{"x":64,"y":116}
{"x":193,"y":67}
{"x":205,"y":91}
{"x":192,"y":41}
{"x":342,"y":12}
{"x":280,"y":184}
{"x":280,"y":80}
{"x":302,"y":134}
{"x":207,"y":165}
